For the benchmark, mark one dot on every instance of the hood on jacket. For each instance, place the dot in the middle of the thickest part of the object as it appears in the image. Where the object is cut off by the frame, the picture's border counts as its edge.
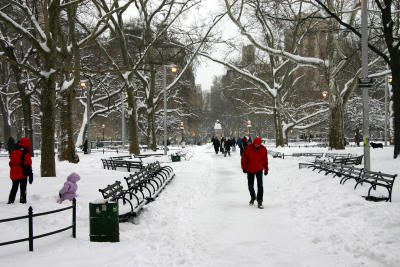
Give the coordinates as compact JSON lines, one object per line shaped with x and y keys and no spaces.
{"x":257,"y":141}
{"x":25,"y":142}
{"x":73,"y":177}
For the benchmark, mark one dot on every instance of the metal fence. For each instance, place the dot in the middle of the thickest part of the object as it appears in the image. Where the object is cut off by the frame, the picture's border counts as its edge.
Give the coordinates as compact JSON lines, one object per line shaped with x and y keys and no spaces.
{"x":30,"y":217}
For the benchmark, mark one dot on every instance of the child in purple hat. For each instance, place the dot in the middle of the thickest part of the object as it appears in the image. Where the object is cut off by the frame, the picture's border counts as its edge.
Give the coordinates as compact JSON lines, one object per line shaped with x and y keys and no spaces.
{"x":69,"y":189}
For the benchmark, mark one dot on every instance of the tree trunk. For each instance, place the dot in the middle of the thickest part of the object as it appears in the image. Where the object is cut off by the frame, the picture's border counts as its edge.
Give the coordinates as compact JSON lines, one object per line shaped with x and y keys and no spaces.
{"x":6,"y":125}
{"x":133,"y":129}
{"x":336,"y":128}
{"x":47,"y":164}
{"x":67,"y":147}
{"x":396,"y":108}
{"x":279,"y":141}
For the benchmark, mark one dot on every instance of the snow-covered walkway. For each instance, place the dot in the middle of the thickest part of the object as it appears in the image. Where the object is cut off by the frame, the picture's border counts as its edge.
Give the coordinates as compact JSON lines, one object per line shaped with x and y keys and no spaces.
{"x":202,"y":218}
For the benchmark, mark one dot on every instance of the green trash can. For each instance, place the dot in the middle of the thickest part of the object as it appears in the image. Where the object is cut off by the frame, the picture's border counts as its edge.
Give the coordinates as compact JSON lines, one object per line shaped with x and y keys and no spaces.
{"x":175,"y":158}
{"x":104,"y":224}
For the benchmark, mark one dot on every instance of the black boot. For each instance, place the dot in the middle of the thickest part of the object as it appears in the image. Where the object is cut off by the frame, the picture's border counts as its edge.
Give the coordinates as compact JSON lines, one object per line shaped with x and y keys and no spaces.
{"x":251,"y":202}
{"x":22,"y":199}
{"x":260,"y":206}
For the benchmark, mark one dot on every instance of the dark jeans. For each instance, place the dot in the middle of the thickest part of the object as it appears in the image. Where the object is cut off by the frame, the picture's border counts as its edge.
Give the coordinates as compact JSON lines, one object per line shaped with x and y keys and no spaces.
{"x":216,"y":148}
{"x":22,"y":184}
{"x":260,"y":189}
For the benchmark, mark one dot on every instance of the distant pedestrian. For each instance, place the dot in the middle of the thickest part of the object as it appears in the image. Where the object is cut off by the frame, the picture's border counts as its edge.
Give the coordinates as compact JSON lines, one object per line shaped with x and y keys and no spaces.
{"x":85,"y":147}
{"x":20,"y":169}
{"x":227,"y":147}
{"x":68,"y":191}
{"x":216,"y":145}
{"x":10,"y":144}
{"x":254,"y":161}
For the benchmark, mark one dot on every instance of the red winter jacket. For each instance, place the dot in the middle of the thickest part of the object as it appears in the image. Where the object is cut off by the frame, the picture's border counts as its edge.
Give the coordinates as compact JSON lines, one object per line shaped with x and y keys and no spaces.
{"x":255,"y":159}
{"x":15,"y":159}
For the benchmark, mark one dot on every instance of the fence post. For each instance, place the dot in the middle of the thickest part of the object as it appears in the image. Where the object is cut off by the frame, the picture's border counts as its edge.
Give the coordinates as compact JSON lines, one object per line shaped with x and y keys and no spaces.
{"x":117,"y":150}
{"x":74,"y":218}
{"x":30,"y":217}
{"x":103,"y":150}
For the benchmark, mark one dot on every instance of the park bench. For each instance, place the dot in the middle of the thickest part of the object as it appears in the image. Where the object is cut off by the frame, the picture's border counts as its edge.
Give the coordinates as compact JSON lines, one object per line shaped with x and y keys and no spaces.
{"x":148,"y":155}
{"x":377,"y":179}
{"x":116,"y":193}
{"x":348,"y":160}
{"x":346,"y":172}
{"x":114,"y":163}
{"x":316,"y":155}
{"x":107,"y":163}
{"x":275,"y":154}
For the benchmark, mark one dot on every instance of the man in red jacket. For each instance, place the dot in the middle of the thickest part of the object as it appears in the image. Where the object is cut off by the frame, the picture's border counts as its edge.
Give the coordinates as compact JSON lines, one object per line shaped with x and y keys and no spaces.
{"x":254,"y":161}
{"x":20,"y":169}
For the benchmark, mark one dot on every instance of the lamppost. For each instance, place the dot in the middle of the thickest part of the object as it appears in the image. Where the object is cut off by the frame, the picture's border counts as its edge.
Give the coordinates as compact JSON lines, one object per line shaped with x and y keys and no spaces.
{"x":324,"y":94}
{"x":365,"y":97}
{"x":183,"y":131}
{"x":84,"y":84}
{"x":248,"y":127}
{"x":173,"y":69}
{"x":123,"y":118}
{"x":103,"y":127}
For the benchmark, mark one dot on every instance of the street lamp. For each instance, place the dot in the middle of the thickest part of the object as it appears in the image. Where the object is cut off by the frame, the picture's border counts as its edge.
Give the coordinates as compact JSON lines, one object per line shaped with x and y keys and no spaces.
{"x":248,"y":127}
{"x":183,"y":131}
{"x":324,"y":94}
{"x":123,"y":119}
{"x":103,"y":127}
{"x":84,"y":83}
{"x":365,"y":97}
{"x":173,"y":69}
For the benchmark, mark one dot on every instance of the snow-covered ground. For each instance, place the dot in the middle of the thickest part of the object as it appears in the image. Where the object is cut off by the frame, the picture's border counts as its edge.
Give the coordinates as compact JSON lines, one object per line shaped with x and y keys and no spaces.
{"x":202,"y":218}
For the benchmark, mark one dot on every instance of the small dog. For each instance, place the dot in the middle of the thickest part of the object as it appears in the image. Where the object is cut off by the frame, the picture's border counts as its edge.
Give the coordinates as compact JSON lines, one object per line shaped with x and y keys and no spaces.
{"x":376,"y":145}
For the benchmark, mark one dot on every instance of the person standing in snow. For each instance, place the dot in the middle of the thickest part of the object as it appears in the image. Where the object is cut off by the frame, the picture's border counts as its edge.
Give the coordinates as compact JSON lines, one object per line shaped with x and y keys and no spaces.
{"x":10,"y":145}
{"x":254,"y":161}
{"x":20,"y":169}
{"x":68,"y":192}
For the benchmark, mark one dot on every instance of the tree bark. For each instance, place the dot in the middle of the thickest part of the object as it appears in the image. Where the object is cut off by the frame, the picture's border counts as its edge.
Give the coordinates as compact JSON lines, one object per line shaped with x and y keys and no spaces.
{"x":336,"y":128}
{"x":279,"y":141}
{"x":47,"y":164}
{"x":396,"y":108}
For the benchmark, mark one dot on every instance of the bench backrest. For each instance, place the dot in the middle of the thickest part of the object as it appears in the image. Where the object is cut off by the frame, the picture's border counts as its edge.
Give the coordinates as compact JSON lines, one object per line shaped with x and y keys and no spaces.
{"x":113,"y":191}
{"x":379,"y":176}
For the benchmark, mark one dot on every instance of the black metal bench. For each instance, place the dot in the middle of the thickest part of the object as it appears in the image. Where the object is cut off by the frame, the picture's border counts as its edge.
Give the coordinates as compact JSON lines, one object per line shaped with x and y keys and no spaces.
{"x":376,"y":179}
{"x":148,"y":155}
{"x":127,"y":164}
{"x":107,"y":163}
{"x":115,"y":162}
{"x":349,"y":160}
{"x":115,"y":193}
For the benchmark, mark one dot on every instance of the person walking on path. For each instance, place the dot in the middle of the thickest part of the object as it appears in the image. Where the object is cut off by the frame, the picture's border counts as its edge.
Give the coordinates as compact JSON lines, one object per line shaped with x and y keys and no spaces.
{"x":68,"y":192}
{"x":254,"y":161}
{"x":20,"y":169}
{"x":227,"y":147}
{"x":216,"y":144}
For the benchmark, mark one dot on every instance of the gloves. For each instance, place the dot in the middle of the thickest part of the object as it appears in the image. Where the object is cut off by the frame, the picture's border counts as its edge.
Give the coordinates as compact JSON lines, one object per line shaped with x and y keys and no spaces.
{"x":244,"y":171}
{"x":30,"y":178}
{"x":265,"y":173}
{"x":59,"y":194}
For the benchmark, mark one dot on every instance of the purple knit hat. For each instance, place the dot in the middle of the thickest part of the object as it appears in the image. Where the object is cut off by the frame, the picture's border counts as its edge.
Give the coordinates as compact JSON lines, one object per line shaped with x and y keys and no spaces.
{"x":73,"y":177}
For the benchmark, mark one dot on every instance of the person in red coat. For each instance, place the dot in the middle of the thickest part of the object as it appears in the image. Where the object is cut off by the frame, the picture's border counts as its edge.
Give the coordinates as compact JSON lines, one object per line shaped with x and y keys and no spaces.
{"x":254,"y":161}
{"x":20,"y":169}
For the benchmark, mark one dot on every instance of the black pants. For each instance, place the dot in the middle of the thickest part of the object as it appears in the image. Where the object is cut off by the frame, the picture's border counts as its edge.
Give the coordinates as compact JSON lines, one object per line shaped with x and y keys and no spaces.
{"x":22,"y":185}
{"x":260,"y":189}
{"x":216,"y":148}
